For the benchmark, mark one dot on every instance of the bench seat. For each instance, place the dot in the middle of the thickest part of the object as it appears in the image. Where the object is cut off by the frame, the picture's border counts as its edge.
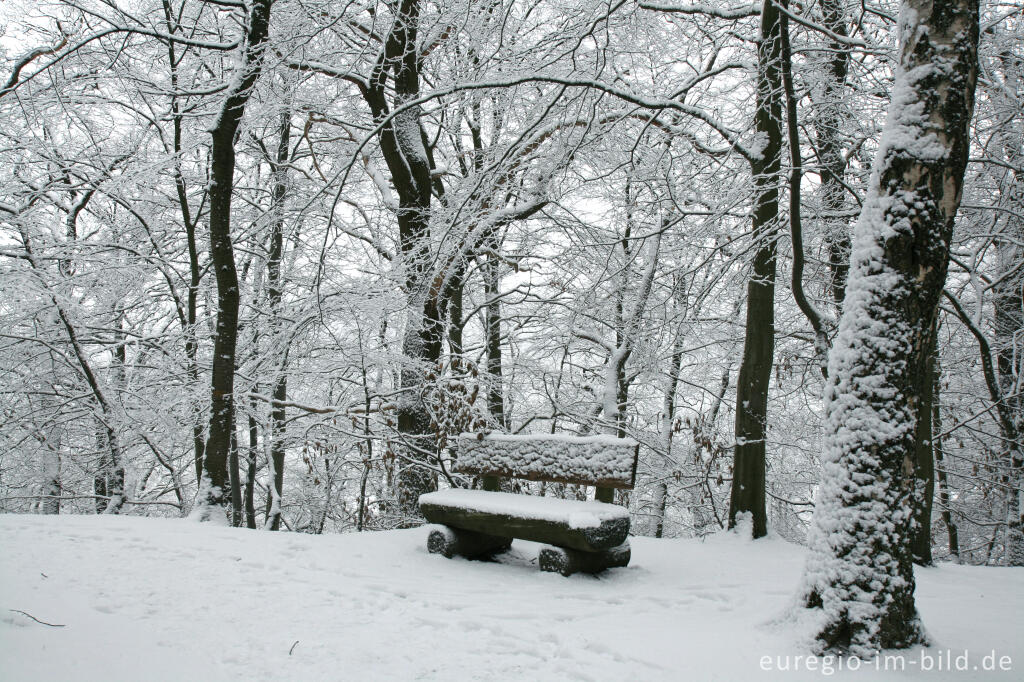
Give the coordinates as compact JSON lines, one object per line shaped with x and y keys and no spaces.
{"x":584,"y":526}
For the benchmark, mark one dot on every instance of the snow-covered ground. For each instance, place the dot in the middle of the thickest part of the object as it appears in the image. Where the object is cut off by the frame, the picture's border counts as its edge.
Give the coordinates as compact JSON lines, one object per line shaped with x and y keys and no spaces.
{"x":152,"y":599}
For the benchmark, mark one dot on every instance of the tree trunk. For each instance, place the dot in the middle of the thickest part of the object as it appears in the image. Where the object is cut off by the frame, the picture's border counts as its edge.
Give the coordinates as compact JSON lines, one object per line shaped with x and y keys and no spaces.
{"x":952,"y":533}
{"x":1008,"y":304}
{"x":492,"y":333}
{"x":454,"y":303}
{"x":748,"y":476}
{"x":402,"y":144}
{"x":234,"y":476}
{"x":828,"y":124}
{"x":275,"y":295}
{"x":191,"y":341}
{"x":51,"y":488}
{"x":492,"y":339}
{"x":924,"y":469}
{"x":668,"y":410}
{"x":859,"y":571}
{"x":275,"y":489}
{"x":213,"y":492}
{"x":250,"y":470}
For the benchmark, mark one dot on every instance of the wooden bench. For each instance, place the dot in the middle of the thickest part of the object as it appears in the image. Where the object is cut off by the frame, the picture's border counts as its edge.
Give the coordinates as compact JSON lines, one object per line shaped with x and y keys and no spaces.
{"x":579,"y":536}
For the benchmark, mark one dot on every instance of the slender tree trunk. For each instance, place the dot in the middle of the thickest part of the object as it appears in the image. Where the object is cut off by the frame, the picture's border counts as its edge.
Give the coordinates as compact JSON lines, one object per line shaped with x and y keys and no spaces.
{"x":111,"y":470}
{"x":213,"y":497}
{"x":859,"y":571}
{"x":668,"y":412}
{"x":492,"y":339}
{"x":191,"y":340}
{"x":748,"y":476}
{"x":821,"y":340}
{"x":109,"y":480}
{"x":453,"y":300}
{"x":924,"y":469}
{"x":278,"y":419}
{"x":275,"y":287}
{"x":250,"y":470}
{"x":51,"y":488}
{"x":99,"y":479}
{"x":627,"y":327}
{"x":952,"y":533}
{"x":234,"y":476}
{"x":492,"y":334}
{"x":828,"y":126}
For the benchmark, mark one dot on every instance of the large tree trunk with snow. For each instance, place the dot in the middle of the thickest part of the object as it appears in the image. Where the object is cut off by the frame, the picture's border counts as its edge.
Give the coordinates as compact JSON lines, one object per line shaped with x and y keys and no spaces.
{"x":748,"y":476}
{"x":859,"y":570}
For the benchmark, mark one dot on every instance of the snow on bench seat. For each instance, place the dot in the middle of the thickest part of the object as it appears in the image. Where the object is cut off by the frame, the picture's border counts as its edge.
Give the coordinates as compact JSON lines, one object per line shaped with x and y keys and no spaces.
{"x":603,"y":461}
{"x":586,"y":526}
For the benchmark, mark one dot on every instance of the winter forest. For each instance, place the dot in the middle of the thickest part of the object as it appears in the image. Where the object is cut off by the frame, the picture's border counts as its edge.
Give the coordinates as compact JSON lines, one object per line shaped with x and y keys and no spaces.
{"x":264,"y":262}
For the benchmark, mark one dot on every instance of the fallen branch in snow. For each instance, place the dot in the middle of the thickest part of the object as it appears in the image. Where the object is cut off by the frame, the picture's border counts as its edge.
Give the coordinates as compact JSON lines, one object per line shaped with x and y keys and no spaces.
{"x":41,"y":622}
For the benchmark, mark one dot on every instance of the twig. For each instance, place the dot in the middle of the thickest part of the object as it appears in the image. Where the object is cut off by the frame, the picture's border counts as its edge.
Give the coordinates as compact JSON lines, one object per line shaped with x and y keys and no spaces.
{"x":293,"y":648}
{"x":41,"y":622}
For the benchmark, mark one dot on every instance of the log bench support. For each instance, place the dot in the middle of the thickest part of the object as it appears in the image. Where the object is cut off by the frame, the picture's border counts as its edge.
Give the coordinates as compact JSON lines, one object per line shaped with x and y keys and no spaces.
{"x":568,"y":561}
{"x":449,"y":542}
{"x":579,"y":537}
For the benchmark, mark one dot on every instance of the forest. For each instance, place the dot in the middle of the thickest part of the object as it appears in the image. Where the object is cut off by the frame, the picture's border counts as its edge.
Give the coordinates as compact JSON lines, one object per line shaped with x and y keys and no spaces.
{"x":263,"y":261}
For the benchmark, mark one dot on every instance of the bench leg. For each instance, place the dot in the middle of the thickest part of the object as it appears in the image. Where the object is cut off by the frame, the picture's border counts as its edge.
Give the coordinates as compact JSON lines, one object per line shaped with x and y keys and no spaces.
{"x":568,"y":561}
{"x":449,"y":542}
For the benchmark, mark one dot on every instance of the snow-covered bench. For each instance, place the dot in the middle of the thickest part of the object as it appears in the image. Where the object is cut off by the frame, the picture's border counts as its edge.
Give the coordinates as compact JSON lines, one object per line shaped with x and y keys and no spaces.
{"x":580,"y":536}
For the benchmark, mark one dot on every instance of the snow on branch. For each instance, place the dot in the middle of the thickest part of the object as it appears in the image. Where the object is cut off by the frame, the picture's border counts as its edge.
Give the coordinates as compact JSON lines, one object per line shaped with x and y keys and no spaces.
{"x":737,"y":12}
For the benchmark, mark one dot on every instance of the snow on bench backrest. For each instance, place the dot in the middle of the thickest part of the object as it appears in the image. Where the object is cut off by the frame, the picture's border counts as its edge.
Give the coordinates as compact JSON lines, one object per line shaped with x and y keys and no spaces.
{"x":603,"y":461}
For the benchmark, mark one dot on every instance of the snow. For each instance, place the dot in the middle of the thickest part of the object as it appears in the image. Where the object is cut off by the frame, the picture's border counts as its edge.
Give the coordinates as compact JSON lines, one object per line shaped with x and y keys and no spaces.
{"x":574,"y":513}
{"x":556,"y":457}
{"x":161,"y":599}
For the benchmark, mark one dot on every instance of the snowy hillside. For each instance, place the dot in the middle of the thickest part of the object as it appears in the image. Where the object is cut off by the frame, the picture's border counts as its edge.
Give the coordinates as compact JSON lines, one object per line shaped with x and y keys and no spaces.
{"x":150,"y":599}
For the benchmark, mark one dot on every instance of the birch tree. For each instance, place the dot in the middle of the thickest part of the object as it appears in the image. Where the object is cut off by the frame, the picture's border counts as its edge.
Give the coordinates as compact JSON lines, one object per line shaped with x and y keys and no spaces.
{"x":859,"y":572}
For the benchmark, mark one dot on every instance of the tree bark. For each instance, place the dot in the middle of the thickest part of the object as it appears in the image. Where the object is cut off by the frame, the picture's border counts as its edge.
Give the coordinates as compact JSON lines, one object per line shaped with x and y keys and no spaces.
{"x":191,"y":340}
{"x":250,"y":469}
{"x":748,"y":476}
{"x":828,"y":125}
{"x":859,"y":571}
{"x":668,"y":409}
{"x":213,"y":490}
{"x":924,"y":469}
{"x":952,"y":532}
{"x":492,"y":334}
{"x":234,"y":477}
{"x":275,"y":295}
{"x":402,"y":144}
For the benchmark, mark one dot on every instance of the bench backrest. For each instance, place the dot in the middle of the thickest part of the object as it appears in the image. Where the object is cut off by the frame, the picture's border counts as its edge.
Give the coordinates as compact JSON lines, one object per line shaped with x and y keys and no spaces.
{"x":603,"y":461}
